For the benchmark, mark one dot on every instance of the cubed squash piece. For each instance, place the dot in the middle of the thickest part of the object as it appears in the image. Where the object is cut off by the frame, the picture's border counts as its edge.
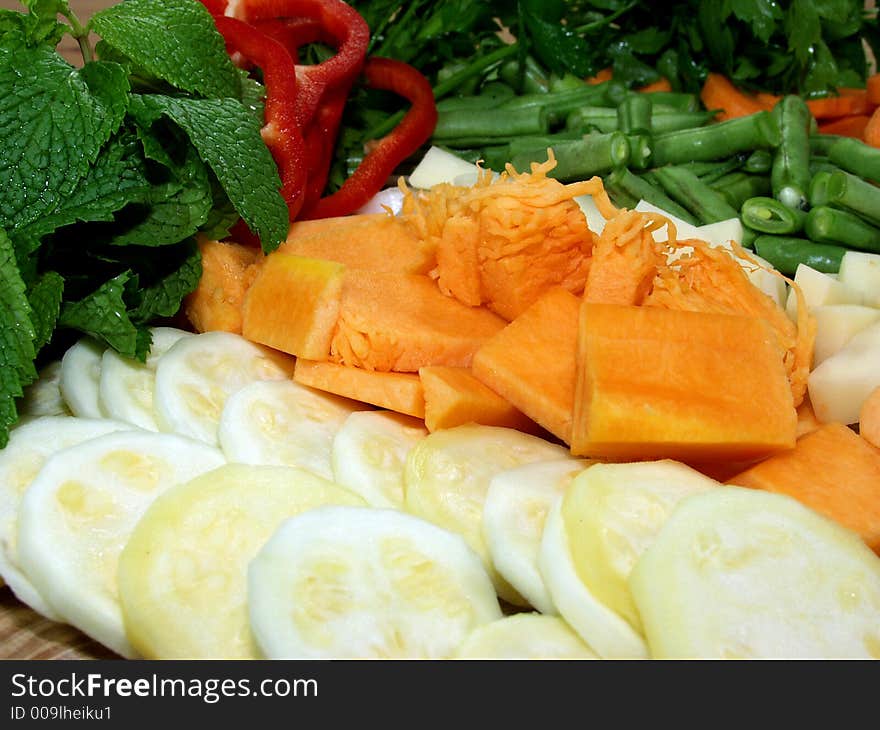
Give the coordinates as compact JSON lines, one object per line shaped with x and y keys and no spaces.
{"x":293,"y":305}
{"x":399,"y":392}
{"x":454,"y":397}
{"x":657,"y":383}
{"x":227,"y":272}
{"x":378,"y":242}
{"x":832,"y":471}
{"x":402,"y":322}
{"x":531,"y":362}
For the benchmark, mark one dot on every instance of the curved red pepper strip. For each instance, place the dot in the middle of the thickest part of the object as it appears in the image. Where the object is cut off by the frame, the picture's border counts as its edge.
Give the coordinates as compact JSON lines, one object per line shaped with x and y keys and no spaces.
{"x":321,"y":141}
{"x":388,"y":152}
{"x":342,"y":22}
{"x":293,"y":33}
{"x":281,"y":132}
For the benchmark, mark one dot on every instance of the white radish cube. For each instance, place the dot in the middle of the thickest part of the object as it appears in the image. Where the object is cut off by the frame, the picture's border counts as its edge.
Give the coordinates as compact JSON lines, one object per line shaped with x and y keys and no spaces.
{"x":439,"y":166}
{"x":722,"y":232}
{"x":819,"y":289}
{"x":683,"y":229}
{"x":836,"y":324}
{"x":861,"y":272}
{"x":840,"y":385}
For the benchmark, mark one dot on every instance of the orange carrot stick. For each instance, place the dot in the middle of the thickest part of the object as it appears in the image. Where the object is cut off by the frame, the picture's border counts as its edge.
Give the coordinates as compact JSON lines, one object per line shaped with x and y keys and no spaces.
{"x":662,"y":84}
{"x":872,"y":89}
{"x":871,"y":135}
{"x":606,"y":74}
{"x":832,"y":107}
{"x":767,"y":100}
{"x":850,"y":126}
{"x":719,"y":93}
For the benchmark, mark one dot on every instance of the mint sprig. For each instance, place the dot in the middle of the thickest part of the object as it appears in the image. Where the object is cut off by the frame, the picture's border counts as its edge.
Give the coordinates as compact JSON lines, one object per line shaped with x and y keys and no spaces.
{"x":154,"y":141}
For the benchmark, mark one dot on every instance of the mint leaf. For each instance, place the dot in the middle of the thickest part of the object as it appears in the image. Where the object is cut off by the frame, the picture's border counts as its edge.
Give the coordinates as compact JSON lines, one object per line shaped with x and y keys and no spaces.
{"x":39,"y":25}
{"x":171,"y":211}
{"x":117,"y":178}
{"x":174,"y":40}
{"x":162,"y":298}
{"x":103,"y":315}
{"x":44,"y":297}
{"x":228,"y":140}
{"x":16,"y":337}
{"x":54,"y":120}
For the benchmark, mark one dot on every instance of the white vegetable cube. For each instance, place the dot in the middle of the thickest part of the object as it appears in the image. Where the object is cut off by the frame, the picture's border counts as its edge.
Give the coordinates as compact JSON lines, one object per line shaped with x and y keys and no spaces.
{"x":836,"y":324}
{"x":819,"y":289}
{"x":840,"y":385}
{"x":861,"y":272}
{"x":722,"y":232}
{"x":439,"y":166}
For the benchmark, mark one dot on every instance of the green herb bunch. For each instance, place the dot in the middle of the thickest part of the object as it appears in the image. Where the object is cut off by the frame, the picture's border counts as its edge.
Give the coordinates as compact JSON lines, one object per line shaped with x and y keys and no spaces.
{"x":108,"y":172}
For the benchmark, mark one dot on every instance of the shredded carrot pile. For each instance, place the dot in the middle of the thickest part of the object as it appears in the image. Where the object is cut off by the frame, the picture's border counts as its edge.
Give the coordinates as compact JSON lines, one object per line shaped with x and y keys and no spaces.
{"x":504,"y":241}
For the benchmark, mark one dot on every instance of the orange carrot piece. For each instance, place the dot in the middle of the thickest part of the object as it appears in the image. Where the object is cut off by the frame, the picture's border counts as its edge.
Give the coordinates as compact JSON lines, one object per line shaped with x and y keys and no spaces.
{"x":869,"y":419}
{"x":767,"y":100}
{"x":606,"y":74}
{"x":872,"y":89}
{"x":832,"y":107}
{"x":871,"y":133}
{"x":861,"y":103}
{"x":661,"y":84}
{"x":851,"y":126}
{"x":719,"y":93}
{"x":832,"y":471}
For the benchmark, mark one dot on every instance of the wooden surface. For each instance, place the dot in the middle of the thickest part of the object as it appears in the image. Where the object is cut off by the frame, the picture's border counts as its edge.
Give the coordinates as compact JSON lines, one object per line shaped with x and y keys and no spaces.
{"x":27,"y":635}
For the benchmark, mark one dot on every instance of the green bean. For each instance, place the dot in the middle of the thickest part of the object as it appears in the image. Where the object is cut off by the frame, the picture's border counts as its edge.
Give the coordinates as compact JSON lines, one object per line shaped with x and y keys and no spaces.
{"x":790,"y":174}
{"x":623,"y":182}
{"x":621,"y":199}
{"x":748,"y":237}
{"x":529,"y":143}
{"x":737,"y":187}
{"x":579,"y":159}
{"x":605,"y":119}
{"x":489,"y":97}
{"x":674,"y":99}
{"x":821,"y":143}
{"x":759,"y":162}
{"x":558,"y":104}
{"x":785,"y":253}
{"x":769,"y":215}
{"x":703,"y":169}
{"x":528,"y":77}
{"x":687,"y":189}
{"x":721,"y":168}
{"x":854,"y":194}
{"x":821,"y":164}
{"x":640,"y":150}
{"x":717,"y":141}
{"x":634,"y":114}
{"x":819,"y":188}
{"x":491,"y":123}
{"x":566,"y":82}
{"x":856,"y":157}
{"x":830,"y":225}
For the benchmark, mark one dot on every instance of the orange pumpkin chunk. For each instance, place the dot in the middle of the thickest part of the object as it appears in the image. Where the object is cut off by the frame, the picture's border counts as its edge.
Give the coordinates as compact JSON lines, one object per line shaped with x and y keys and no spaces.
{"x":227,"y":271}
{"x":531,"y":362}
{"x":400,"y":392}
{"x":377,"y":242}
{"x":832,"y":471}
{"x":454,"y":397}
{"x":293,"y":305}
{"x":402,"y":322}
{"x":655,"y":383}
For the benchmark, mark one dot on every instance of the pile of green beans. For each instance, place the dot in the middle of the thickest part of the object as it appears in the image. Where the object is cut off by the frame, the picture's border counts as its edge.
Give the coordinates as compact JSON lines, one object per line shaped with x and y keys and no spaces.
{"x":802,"y":197}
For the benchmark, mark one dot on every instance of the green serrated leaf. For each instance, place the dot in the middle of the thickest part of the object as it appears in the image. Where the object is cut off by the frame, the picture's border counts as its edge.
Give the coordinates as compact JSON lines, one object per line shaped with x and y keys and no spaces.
{"x":228,"y":139}
{"x":180,"y":276}
{"x":170,"y":211}
{"x":174,"y":40}
{"x":761,"y":15}
{"x":117,"y":178}
{"x":103,"y":314}
{"x":804,"y":29}
{"x":16,"y":337}
{"x":53,"y":124}
{"x":44,"y":296}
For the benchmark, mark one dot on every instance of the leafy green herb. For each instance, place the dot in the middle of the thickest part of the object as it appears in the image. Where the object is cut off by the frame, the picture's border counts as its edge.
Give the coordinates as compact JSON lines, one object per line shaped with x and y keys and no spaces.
{"x":153,"y":143}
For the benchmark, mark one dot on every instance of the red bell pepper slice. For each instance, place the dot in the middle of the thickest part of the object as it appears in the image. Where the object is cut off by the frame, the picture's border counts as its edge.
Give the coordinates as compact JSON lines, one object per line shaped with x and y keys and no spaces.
{"x":342,"y":23}
{"x":215,"y":7}
{"x":282,"y":132}
{"x":294,"y":33}
{"x":388,"y":152}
